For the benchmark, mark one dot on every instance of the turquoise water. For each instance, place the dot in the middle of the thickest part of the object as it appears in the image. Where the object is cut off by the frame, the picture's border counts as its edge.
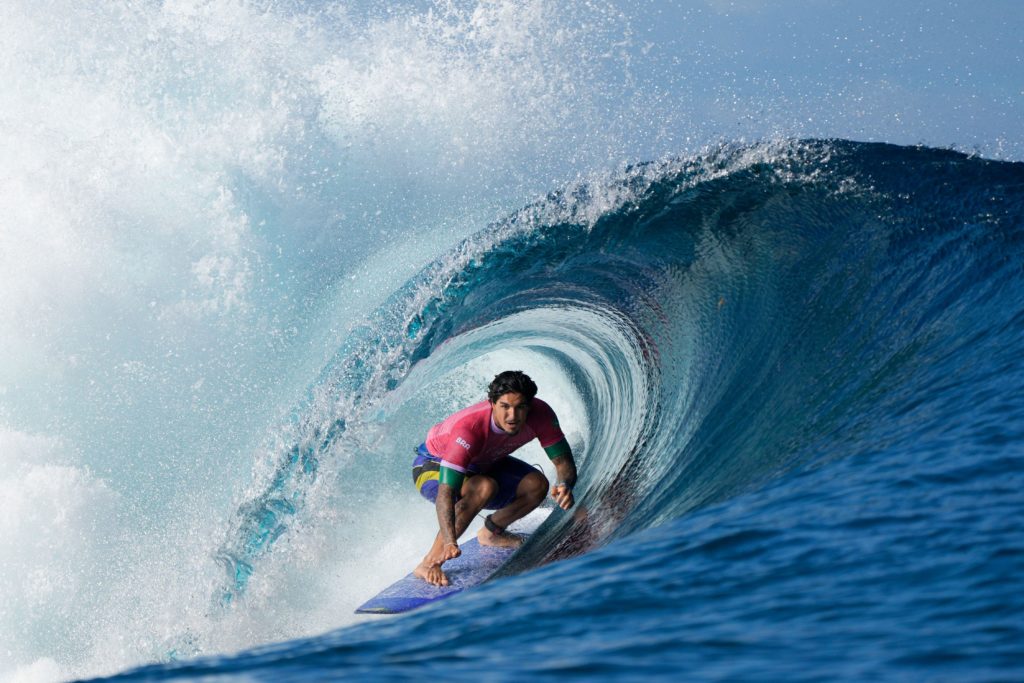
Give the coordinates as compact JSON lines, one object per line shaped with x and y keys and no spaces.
{"x":250,"y":251}
{"x":796,"y":407}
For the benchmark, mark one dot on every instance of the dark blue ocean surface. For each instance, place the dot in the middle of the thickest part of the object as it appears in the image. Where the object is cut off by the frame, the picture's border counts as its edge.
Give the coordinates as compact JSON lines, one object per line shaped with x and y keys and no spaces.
{"x":800,"y":367}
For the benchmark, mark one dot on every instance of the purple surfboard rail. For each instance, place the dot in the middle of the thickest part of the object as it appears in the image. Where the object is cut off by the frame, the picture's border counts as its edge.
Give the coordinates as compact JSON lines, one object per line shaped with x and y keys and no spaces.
{"x":475,"y":565}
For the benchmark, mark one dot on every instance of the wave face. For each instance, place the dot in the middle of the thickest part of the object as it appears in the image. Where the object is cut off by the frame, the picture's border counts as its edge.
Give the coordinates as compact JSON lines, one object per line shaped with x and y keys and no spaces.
{"x":791,"y":375}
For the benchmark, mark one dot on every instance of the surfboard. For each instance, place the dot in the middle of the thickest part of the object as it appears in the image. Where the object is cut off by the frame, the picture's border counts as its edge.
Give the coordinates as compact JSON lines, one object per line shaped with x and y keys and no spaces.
{"x":476,"y":564}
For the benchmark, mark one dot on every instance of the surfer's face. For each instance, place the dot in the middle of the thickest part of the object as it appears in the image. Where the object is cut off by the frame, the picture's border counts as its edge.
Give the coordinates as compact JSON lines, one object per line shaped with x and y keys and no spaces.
{"x":510,"y":411}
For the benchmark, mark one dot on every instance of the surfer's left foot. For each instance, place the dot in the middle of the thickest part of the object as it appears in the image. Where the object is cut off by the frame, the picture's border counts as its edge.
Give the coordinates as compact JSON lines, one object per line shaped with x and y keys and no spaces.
{"x":500,"y":540}
{"x":431,"y":574}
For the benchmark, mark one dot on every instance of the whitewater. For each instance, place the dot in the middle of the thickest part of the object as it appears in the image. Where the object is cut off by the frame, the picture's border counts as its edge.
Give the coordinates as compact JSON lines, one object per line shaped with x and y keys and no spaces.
{"x":251,"y":252}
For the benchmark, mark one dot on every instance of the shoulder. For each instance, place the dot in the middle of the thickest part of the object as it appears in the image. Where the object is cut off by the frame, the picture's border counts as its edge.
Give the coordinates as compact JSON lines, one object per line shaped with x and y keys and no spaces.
{"x":544,"y":423}
{"x":540,"y":411}
{"x":539,"y":405}
{"x":474,"y":417}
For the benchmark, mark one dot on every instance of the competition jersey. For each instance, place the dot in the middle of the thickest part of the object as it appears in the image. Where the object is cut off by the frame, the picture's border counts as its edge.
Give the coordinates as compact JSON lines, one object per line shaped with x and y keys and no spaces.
{"x":469,"y":441}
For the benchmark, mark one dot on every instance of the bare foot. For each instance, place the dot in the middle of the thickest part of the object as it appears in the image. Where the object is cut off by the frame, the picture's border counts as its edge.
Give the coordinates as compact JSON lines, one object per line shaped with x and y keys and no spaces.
{"x":502,"y":540}
{"x":432,"y":575}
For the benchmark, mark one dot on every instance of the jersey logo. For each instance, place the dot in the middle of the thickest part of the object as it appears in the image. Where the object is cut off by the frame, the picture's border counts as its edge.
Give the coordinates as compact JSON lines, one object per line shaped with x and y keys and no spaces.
{"x":462,"y":442}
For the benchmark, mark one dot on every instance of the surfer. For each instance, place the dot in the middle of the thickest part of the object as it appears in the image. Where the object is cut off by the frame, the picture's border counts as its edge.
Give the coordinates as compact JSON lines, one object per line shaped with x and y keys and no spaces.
{"x":465,"y":466}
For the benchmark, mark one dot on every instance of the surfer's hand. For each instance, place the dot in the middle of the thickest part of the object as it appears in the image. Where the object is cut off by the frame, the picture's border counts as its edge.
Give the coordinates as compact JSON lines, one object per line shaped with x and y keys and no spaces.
{"x":562,"y":493}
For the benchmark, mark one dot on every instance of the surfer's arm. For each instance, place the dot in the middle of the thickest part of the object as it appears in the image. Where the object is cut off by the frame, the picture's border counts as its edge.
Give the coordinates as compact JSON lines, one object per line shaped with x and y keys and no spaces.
{"x":553,"y":440}
{"x":446,"y":545}
{"x":449,"y":482}
{"x":565,"y":469}
{"x":560,"y":455}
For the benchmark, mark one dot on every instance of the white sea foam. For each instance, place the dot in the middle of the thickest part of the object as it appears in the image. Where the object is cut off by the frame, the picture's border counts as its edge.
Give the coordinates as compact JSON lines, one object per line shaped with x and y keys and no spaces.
{"x":57,"y":523}
{"x":40,"y":671}
{"x":198,"y":198}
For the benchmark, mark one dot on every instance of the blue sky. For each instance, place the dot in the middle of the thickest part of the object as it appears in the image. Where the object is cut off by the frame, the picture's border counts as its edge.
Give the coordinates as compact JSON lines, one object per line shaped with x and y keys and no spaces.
{"x":939,"y":73}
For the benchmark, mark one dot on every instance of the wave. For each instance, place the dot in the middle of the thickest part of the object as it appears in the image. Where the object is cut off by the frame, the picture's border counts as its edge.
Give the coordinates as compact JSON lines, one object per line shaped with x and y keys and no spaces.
{"x":763,"y":356}
{"x":710,"y":323}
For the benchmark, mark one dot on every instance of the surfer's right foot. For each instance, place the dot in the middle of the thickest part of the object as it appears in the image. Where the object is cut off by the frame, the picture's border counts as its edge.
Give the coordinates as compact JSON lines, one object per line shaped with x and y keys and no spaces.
{"x":432,"y":575}
{"x":504,"y":539}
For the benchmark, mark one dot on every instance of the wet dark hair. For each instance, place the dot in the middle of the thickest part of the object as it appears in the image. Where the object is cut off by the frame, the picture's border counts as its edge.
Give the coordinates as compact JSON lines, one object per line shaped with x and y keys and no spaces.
{"x":511,"y":381}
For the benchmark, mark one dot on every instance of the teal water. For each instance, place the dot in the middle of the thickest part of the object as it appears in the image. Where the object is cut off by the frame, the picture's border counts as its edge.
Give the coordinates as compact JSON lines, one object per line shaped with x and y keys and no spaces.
{"x":250,"y":251}
{"x":796,"y":407}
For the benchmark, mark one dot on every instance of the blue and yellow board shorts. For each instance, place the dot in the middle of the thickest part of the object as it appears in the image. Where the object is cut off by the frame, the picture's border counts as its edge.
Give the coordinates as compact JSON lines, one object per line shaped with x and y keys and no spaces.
{"x":508,"y":472}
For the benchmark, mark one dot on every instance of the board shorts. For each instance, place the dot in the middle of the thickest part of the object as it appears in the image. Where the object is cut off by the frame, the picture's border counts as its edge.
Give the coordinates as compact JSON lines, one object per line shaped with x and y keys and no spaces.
{"x":508,"y":472}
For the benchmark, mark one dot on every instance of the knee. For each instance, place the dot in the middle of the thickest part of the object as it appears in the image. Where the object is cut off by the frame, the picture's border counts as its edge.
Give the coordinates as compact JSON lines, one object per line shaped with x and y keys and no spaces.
{"x":482,"y":490}
{"x":535,"y":486}
{"x":488,"y":487}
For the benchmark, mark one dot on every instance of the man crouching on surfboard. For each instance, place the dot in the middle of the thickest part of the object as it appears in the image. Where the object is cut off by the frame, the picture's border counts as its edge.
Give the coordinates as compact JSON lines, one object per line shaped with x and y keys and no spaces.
{"x":464,"y":467}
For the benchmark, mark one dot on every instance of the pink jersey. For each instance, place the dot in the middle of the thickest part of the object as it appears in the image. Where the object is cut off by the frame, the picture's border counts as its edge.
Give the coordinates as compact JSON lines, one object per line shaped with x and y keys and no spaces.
{"x":470,"y":441}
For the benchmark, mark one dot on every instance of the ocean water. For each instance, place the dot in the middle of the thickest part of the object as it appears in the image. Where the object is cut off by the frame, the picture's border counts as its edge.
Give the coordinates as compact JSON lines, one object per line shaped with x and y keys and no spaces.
{"x":250,"y":253}
{"x":792,"y":378}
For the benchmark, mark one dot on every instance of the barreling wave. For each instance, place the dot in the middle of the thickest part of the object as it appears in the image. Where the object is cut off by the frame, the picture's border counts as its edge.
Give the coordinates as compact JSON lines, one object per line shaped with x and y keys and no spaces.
{"x":719,"y":320}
